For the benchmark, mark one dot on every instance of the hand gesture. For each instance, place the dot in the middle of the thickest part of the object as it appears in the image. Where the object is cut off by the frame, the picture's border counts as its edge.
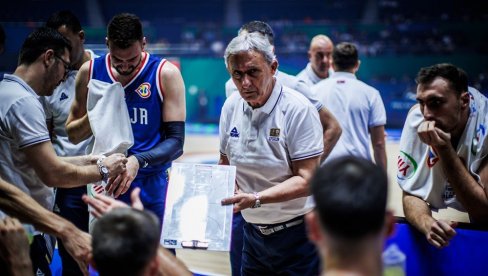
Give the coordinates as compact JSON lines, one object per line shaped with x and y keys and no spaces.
{"x":240,"y":200}
{"x":440,"y":232}
{"x":115,"y":164}
{"x":14,"y":245}
{"x":433,"y":136}
{"x":78,"y":245}
{"x":102,"y":204}
{"x":121,"y":183}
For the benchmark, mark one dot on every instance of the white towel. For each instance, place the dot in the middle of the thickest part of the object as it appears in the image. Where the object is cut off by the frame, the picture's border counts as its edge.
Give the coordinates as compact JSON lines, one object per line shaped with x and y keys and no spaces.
{"x":419,"y":172}
{"x":109,"y":118}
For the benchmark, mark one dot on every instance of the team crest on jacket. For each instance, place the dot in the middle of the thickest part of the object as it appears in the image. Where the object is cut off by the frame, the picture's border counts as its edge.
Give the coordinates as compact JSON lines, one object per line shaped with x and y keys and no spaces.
{"x":274,"y":135}
{"x":144,"y":90}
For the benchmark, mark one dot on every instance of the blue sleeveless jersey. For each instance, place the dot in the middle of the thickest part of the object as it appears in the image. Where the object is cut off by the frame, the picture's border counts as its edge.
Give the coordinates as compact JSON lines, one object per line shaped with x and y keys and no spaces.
{"x":144,"y":98}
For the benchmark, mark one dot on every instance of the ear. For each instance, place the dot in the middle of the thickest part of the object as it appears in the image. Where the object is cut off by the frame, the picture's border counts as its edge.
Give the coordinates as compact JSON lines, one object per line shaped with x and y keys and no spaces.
{"x":106,"y":41}
{"x":358,"y":64}
{"x":81,"y":35}
{"x":309,"y":54}
{"x":143,"y":43}
{"x":314,"y":230}
{"x":389,"y":224}
{"x":274,"y":66}
{"x":48,"y":57}
{"x":153,"y":266}
{"x":465,"y":99}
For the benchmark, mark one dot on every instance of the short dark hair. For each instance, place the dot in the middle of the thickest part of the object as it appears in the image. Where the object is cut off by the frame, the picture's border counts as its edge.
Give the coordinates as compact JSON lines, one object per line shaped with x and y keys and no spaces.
{"x":39,"y":41}
{"x":261,"y":27}
{"x":350,"y":195}
{"x":124,"y":241}
{"x":64,"y":17}
{"x":124,"y":29}
{"x":457,"y":78}
{"x":345,"y":56}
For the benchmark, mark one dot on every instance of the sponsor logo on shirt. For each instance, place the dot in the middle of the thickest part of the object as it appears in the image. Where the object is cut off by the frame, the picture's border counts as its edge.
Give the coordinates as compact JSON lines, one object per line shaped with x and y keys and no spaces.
{"x":432,"y":158}
{"x":448,"y":193}
{"x":274,"y":135}
{"x":63,"y":97}
{"x":144,"y":90}
{"x":407,"y":166}
{"x":234,"y":133}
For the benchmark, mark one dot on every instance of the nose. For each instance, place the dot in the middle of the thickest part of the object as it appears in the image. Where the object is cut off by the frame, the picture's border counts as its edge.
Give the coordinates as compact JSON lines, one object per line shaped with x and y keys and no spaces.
{"x":325,"y":59}
{"x":428,"y":114}
{"x":246,"y":82}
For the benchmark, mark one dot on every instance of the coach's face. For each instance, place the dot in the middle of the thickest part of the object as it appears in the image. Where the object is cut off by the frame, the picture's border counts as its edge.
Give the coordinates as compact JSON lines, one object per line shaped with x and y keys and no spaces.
{"x":253,"y":76}
{"x":443,"y":105}
{"x":57,"y":68}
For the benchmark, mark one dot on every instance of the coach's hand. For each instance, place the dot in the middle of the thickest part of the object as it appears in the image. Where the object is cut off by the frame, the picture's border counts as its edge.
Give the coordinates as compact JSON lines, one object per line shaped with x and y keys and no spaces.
{"x":240,"y":200}
{"x":115,"y":164}
{"x":121,"y":183}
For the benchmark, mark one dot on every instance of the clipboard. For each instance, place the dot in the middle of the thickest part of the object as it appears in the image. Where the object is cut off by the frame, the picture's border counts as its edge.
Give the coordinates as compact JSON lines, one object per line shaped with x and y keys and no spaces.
{"x":194,"y":217}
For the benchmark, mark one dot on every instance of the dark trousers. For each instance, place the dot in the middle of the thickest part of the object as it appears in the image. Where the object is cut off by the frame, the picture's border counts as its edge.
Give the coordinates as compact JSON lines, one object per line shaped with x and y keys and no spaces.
{"x":71,"y":207}
{"x":286,"y":252}
{"x":236,"y":243}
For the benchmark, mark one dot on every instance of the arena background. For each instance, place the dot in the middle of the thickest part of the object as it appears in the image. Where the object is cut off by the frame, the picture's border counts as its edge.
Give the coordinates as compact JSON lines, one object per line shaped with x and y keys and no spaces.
{"x":395,"y":38}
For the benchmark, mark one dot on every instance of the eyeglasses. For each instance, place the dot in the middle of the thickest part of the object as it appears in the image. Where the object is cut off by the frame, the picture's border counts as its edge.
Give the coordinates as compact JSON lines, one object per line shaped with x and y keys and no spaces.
{"x":66,"y":66}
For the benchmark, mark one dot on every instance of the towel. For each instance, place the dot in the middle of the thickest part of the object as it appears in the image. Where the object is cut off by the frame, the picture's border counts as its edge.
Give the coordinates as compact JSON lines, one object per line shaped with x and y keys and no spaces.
{"x":419,"y":172}
{"x":109,"y":118}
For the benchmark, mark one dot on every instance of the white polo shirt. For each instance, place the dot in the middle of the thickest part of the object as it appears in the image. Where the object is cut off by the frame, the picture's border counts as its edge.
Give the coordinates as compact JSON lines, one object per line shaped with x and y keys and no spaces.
{"x":357,"y":106}
{"x":308,"y":76}
{"x":263,"y":142}
{"x":22,"y":124}
{"x":288,"y":81}
{"x":57,"y":108}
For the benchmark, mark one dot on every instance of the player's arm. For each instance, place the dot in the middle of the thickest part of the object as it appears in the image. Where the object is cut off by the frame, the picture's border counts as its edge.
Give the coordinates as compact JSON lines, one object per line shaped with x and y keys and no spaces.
{"x":174,"y":116}
{"x":472,"y":195}
{"x":77,"y":124}
{"x":56,"y":173}
{"x":18,"y":204}
{"x":417,"y":213}
{"x":332,"y":131}
{"x":378,"y":142}
{"x":294,"y":187}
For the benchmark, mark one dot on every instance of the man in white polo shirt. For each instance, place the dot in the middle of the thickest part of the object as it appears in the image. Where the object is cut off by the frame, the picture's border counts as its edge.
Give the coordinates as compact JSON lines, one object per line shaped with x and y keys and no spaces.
{"x":272,"y":134}
{"x":362,"y":113}
{"x":320,"y":59}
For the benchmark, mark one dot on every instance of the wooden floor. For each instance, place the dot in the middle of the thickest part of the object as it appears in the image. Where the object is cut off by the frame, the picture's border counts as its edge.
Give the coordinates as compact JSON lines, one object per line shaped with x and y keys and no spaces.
{"x":206,"y":148}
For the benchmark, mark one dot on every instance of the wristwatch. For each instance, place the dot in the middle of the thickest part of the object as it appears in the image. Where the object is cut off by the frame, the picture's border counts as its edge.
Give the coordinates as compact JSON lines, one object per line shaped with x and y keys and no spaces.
{"x":102,"y":169}
{"x":257,"y":203}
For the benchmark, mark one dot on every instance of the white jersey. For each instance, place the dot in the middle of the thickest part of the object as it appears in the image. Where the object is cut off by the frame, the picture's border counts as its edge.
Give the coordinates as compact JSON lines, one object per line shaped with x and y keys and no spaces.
{"x":288,"y":81}
{"x":22,"y":124}
{"x":57,"y":108}
{"x":308,"y":76}
{"x":357,"y":106}
{"x":419,"y":170}
{"x":263,"y":142}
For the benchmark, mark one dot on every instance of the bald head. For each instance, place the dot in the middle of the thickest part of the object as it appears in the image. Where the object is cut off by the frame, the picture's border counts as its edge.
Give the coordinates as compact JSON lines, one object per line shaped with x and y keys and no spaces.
{"x":319,"y":55}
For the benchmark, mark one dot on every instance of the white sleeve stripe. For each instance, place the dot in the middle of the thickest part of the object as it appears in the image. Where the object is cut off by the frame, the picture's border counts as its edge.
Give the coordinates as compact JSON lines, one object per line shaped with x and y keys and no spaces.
{"x":158,"y":79}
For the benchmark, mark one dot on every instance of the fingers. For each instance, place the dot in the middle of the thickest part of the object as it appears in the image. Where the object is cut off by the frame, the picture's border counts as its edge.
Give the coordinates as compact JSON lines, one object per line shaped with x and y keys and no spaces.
{"x":136,"y":200}
{"x":96,"y":205}
{"x":83,"y":267}
{"x":447,"y":229}
{"x":114,"y":184}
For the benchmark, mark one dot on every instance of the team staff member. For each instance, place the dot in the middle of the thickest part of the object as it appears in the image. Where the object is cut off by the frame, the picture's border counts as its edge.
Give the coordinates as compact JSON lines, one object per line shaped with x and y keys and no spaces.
{"x":27,"y":156}
{"x":320,"y":60}
{"x":272,"y":134}
{"x":155,"y":97}
{"x":442,"y":161}
{"x":362,"y":113}
{"x":68,"y":201}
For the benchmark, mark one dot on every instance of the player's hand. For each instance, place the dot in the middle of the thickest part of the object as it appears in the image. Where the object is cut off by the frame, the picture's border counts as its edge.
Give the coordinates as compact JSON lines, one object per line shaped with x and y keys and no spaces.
{"x":115,"y":164}
{"x":440,"y":232}
{"x":433,"y":136}
{"x":102,"y":204}
{"x":121,"y":183}
{"x":78,"y":245}
{"x":240,"y":200}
